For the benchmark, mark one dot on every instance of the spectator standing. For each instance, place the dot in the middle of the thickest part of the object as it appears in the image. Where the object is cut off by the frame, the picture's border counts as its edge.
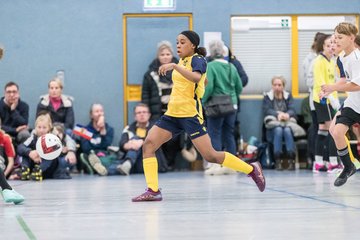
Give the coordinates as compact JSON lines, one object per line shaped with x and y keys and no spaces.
{"x":223,"y":78}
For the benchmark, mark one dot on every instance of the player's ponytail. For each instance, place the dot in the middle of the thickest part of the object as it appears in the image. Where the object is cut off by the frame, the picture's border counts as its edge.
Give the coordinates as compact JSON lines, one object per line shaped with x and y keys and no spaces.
{"x":201,"y":51}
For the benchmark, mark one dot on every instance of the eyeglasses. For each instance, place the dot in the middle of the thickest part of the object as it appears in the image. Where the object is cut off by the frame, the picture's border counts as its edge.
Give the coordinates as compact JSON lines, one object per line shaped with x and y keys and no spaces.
{"x":11,"y":92}
{"x":141,"y":112}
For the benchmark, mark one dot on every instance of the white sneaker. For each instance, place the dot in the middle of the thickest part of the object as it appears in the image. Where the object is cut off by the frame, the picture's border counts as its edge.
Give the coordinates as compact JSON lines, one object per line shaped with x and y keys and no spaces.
{"x":124,"y":168}
{"x":214,"y":169}
{"x":95,"y":162}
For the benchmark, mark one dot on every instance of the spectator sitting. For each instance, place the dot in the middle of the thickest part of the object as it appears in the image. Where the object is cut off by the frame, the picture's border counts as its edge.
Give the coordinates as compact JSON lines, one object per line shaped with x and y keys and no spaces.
{"x":279,"y":113}
{"x":32,"y":166}
{"x":94,"y":151}
{"x":68,"y":157}
{"x":57,"y":104}
{"x":132,"y":139}
{"x":14,"y":114}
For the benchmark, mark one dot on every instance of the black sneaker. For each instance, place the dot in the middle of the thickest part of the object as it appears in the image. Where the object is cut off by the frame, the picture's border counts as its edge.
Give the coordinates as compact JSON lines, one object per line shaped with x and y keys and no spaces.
{"x":36,"y":174}
{"x":25,"y":174}
{"x":344,"y":175}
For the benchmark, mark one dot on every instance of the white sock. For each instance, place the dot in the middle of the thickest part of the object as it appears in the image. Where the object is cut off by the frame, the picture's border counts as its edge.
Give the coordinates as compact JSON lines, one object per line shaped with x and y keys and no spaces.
{"x":333,"y":160}
{"x":319,"y":159}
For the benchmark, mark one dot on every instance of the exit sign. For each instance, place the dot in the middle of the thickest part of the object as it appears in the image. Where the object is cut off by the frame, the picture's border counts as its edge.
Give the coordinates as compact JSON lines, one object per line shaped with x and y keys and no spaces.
{"x":285,"y":23}
{"x":159,"y":5}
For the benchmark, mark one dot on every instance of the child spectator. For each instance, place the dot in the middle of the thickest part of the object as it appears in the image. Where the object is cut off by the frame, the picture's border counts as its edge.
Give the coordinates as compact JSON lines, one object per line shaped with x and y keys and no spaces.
{"x":67,"y":158}
{"x":32,"y":166}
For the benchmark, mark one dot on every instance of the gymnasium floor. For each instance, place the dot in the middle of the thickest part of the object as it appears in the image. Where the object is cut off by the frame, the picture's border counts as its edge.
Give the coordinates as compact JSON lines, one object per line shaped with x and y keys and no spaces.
{"x":295,"y":205}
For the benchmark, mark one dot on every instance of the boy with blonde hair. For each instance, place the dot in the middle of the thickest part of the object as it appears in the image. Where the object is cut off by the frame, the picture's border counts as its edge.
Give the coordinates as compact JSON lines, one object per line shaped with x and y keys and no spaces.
{"x":345,"y":34}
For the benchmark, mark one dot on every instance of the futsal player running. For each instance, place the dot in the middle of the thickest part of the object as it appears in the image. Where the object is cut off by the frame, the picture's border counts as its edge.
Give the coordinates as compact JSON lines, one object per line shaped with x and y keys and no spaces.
{"x":184,"y":113}
{"x":345,"y":34}
{"x":340,"y":76}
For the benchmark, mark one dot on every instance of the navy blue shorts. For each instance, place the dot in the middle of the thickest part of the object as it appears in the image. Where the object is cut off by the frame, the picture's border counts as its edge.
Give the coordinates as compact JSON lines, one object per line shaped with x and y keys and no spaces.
{"x":191,"y":125}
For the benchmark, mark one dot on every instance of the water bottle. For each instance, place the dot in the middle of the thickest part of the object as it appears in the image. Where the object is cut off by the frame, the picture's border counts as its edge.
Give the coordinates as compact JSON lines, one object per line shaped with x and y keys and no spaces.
{"x":241,"y":144}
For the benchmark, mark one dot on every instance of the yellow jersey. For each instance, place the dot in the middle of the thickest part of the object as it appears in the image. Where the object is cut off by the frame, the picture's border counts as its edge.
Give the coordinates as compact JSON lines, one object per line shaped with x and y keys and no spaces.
{"x":324,"y":73}
{"x":185,"y":98}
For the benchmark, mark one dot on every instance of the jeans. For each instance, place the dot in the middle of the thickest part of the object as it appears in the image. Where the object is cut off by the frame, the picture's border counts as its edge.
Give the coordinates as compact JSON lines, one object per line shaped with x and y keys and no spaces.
{"x":111,"y":168}
{"x":221,"y":132}
{"x":63,"y":163}
{"x":135,"y":157}
{"x":277,"y":136}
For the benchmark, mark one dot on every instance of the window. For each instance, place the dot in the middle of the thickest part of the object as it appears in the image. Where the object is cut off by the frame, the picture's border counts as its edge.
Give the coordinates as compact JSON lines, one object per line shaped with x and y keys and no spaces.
{"x":263,"y":45}
{"x":308,"y":26}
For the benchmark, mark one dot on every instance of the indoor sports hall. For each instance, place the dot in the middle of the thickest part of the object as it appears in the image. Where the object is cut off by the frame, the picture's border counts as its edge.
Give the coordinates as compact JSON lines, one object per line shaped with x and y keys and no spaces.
{"x":102,"y":51}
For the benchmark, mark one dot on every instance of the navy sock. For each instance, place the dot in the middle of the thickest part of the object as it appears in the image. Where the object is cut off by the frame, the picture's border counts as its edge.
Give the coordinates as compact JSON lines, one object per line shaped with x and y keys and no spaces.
{"x":345,"y":158}
{"x":320,"y":142}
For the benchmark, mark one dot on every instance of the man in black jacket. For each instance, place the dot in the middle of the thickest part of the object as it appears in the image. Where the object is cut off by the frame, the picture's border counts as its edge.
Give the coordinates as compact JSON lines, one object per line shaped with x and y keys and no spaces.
{"x":132,"y":140}
{"x":14,"y":113}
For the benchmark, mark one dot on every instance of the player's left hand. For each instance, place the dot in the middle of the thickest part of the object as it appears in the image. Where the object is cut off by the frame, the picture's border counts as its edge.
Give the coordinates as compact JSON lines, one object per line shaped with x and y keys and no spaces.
{"x":70,"y":157}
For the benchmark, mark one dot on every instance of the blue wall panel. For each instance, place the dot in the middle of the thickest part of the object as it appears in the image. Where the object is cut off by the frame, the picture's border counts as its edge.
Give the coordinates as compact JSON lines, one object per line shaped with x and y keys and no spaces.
{"x":143,"y":35}
{"x":84,"y":38}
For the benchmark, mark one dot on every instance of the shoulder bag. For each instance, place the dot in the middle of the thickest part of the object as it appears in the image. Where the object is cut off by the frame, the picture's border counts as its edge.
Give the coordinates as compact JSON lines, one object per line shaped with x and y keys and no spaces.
{"x":219,"y":105}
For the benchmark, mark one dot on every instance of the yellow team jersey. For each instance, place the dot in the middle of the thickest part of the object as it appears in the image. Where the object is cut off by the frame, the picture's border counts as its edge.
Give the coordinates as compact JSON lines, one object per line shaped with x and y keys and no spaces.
{"x":185,"y":95}
{"x":324,"y":73}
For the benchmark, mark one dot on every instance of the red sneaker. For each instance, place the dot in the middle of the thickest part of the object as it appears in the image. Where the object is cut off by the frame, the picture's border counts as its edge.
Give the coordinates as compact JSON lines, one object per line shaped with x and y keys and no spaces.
{"x":258,"y":176}
{"x":148,"y":195}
